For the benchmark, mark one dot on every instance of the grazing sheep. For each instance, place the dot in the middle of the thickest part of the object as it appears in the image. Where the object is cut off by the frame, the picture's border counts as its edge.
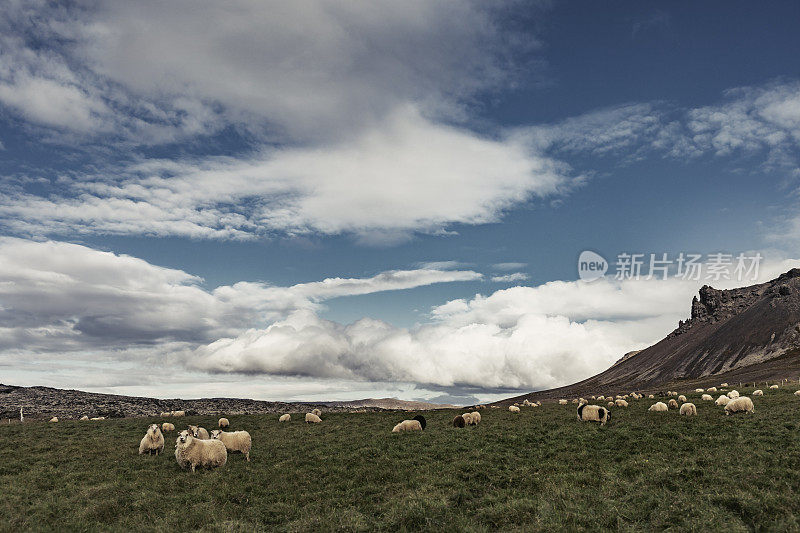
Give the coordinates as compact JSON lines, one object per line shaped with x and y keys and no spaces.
{"x":621,"y":403}
{"x":54,"y":419}
{"x":682,"y":398}
{"x":562,"y":402}
{"x":699,"y":390}
{"x":513,"y":408}
{"x":285,"y":418}
{"x":593,"y":398}
{"x":166,"y":414}
{"x":476,"y":418}
{"x":722,"y":400}
{"x":316,"y":412}
{"x":526,"y":402}
{"x":672,"y":404}
{"x":601,"y":398}
{"x":711,"y":389}
{"x":723,"y":384}
{"x":166,"y":426}
{"x":311,"y":418}
{"x":192,"y":452}
{"x":467,"y":418}
{"x":98,"y":418}
{"x":593,"y":413}
{"x":797,"y":393}
{"x":575,"y":400}
{"x":85,"y":417}
{"x":743,"y":404}
{"x":423,"y":422}
{"x":758,"y":392}
{"x":153,"y":441}
{"x":178,"y":413}
{"x":234,"y":441}
{"x":774,"y":387}
{"x":658,"y":406}
{"x":223,"y":423}
{"x":459,"y":422}
{"x":707,"y":398}
{"x":199,"y":433}
{"x":407,"y":425}
{"x":651,"y":397}
{"x":611,"y":404}
{"x":733,"y":394}
{"x":688,"y":409}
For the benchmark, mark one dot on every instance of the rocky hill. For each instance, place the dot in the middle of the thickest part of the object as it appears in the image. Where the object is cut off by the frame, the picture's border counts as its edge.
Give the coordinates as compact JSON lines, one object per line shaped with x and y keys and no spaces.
{"x":748,"y":334}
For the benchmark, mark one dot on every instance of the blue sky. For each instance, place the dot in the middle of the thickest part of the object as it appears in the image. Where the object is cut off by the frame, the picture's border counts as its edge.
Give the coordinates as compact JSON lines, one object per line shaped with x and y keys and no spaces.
{"x":173,"y":193}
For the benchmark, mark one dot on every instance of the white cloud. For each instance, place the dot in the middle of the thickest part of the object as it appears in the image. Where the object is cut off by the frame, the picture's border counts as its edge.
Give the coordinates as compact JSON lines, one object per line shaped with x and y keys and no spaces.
{"x":509,"y":266}
{"x":509,"y":278}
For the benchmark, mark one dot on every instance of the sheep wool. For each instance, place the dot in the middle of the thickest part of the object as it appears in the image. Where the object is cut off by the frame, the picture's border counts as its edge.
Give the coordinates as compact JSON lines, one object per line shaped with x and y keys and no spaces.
{"x":311,"y":418}
{"x":601,"y":398}
{"x":711,"y":389}
{"x":234,"y":441}
{"x":407,"y":425}
{"x":166,"y":414}
{"x":699,"y":390}
{"x":467,"y":418}
{"x":98,"y":418}
{"x":723,"y":384}
{"x":166,"y":426}
{"x":593,"y":413}
{"x":223,"y":423}
{"x":199,"y":433}
{"x":797,"y":393}
{"x":458,"y":422}
{"x":423,"y":422}
{"x":707,"y":398}
{"x":672,"y":404}
{"x":688,"y":409}
{"x":285,"y":418}
{"x":316,"y":412}
{"x":513,"y":408}
{"x":658,"y":407}
{"x":758,"y":392}
{"x":54,"y":419}
{"x":178,"y":413}
{"x":722,"y":400}
{"x":651,"y":397}
{"x":476,"y":418}
{"x":153,"y":441}
{"x":574,"y":400}
{"x":85,"y":417}
{"x":621,"y":403}
{"x":774,"y":387}
{"x":742,"y":404}
{"x":192,"y":452}
{"x":562,"y":402}
{"x":681,"y":398}
{"x":611,"y":404}
{"x":733,"y":394}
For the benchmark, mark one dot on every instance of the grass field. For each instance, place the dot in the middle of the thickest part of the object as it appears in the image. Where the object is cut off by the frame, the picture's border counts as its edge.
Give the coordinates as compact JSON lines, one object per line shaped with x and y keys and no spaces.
{"x":537,"y":470}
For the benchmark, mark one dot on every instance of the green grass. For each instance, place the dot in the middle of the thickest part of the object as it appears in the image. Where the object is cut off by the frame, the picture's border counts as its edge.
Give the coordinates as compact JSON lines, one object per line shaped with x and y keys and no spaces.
{"x":538,"y":470}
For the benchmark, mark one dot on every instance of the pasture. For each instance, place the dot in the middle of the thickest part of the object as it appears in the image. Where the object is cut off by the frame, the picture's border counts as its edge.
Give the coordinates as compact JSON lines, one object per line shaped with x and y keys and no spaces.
{"x":539,"y":470}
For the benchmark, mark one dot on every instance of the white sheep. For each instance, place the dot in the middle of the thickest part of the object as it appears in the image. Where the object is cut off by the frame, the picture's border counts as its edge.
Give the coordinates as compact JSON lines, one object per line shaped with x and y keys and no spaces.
{"x":178,"y":413}
{"x":651,"y":397}
{"x":722,"y":400}
{"x":739,"y":405}
{"x":707,"y":398}
{"x":682,"y":398}
{"x":593,"y":413}
{"x":166,"y":414}
{"x":621,"y":403}
{"x":658,"y":407}
{"x":98,"y":418}
{"x":711,"y":389}
{"x":733,"y":394}
{"x":688,"y":409}
{"x":476,"y":418}
{"x":562,"y":402}
{"x":574,"y":400}
{"x":512,"y":408}
{"x":723,"y":384}
{"x":672,"y":404}
{"x":774,"y":387}
{"x":166,"y":426}
{"x":408,"y":425}
{"x":316,"y":412}
{"x":285,"y":418}
{"x":153,"y":441}
{"x":699,"y":390}
{"x":54,"y":419}
{"x":601,"y":398}
{"x":223,"y":423}
{"x":311,"y":418}
{"x":797,"y":393}
{"x":85,"y":417}
{"x":467,"y":418}
{"x":234,"y":441}
{"x":192,"y":452}
{"x":611,"y":404}
{"x":758,"y":392}
{"x":199,"y":433}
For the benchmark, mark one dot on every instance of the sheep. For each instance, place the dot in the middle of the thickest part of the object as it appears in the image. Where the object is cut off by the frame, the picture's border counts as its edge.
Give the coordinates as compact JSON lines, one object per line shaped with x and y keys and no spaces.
{"x":797,"y":393}
{"x":311,"y":418}
{"x":54,"y":419}
{"x":738,"y":405}
{"x":407,"y":425}
{"x":723,"y":384}
{"x":688,"y":409}
{"x":733,"y":394}
{"x":285,"y":418}
{"x":526,"y":402}
{"x":707,"y":398}
{"x":601,"y":398}
{"x":223,"y":423}
{"x":85,"y":417}
{"x":476,"y":418}
{"x":582,"y":400}
{"x":459,"y":422}
{"x":316,"y":412}
{"x":574,"y":400}
{"x":192,"y":452}
{"x":699,"y":390}
{"x":758,"y":392}
{"x":722,"y":400}
{"x":711,"y":389}
{"x":423,"y":422}
{"x":166,"y":414}
{"x":467,"y":418}
{"x":651,"y":397}
{"x":774,"y":387}
{"x":513,"y":408}
{"x":234,"y":441}
{"x":166,"y":426}
{"x":611,"y":404}
{"x":562,"y":402}
{"x":682,"y":398}
{"x":658,"y":406}
{"x":153,"y":441}
{"x":98,"y":418}
{"x":621,"y":403}
{"x":593,"y":398}
{"x":593,"y":413}
{"x":199,"y":433}
{"x":672,"y":404}
{"x":178,"y":413}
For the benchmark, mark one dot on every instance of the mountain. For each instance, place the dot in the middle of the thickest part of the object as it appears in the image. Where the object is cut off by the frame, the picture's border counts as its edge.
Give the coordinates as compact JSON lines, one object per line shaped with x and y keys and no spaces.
{"x":748,"y":334}
{"x":44,"y":402}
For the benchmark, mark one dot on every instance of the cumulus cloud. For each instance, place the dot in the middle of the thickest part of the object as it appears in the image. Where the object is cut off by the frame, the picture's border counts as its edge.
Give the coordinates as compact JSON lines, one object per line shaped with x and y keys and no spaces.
{"x":510,"y":278}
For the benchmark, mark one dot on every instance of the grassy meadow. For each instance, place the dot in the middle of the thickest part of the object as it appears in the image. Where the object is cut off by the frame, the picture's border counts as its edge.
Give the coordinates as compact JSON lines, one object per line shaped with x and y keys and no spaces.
{"x":540,"y":470}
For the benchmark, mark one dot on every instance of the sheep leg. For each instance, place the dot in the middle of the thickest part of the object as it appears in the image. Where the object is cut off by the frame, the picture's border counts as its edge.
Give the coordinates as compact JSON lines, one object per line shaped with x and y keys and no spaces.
{"x":247,"y":456}
{"x":192,"y":468}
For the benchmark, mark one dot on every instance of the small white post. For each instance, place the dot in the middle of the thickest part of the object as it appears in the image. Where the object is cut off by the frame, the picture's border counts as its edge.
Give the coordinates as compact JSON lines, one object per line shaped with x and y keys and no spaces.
{"x":21,"y":417}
